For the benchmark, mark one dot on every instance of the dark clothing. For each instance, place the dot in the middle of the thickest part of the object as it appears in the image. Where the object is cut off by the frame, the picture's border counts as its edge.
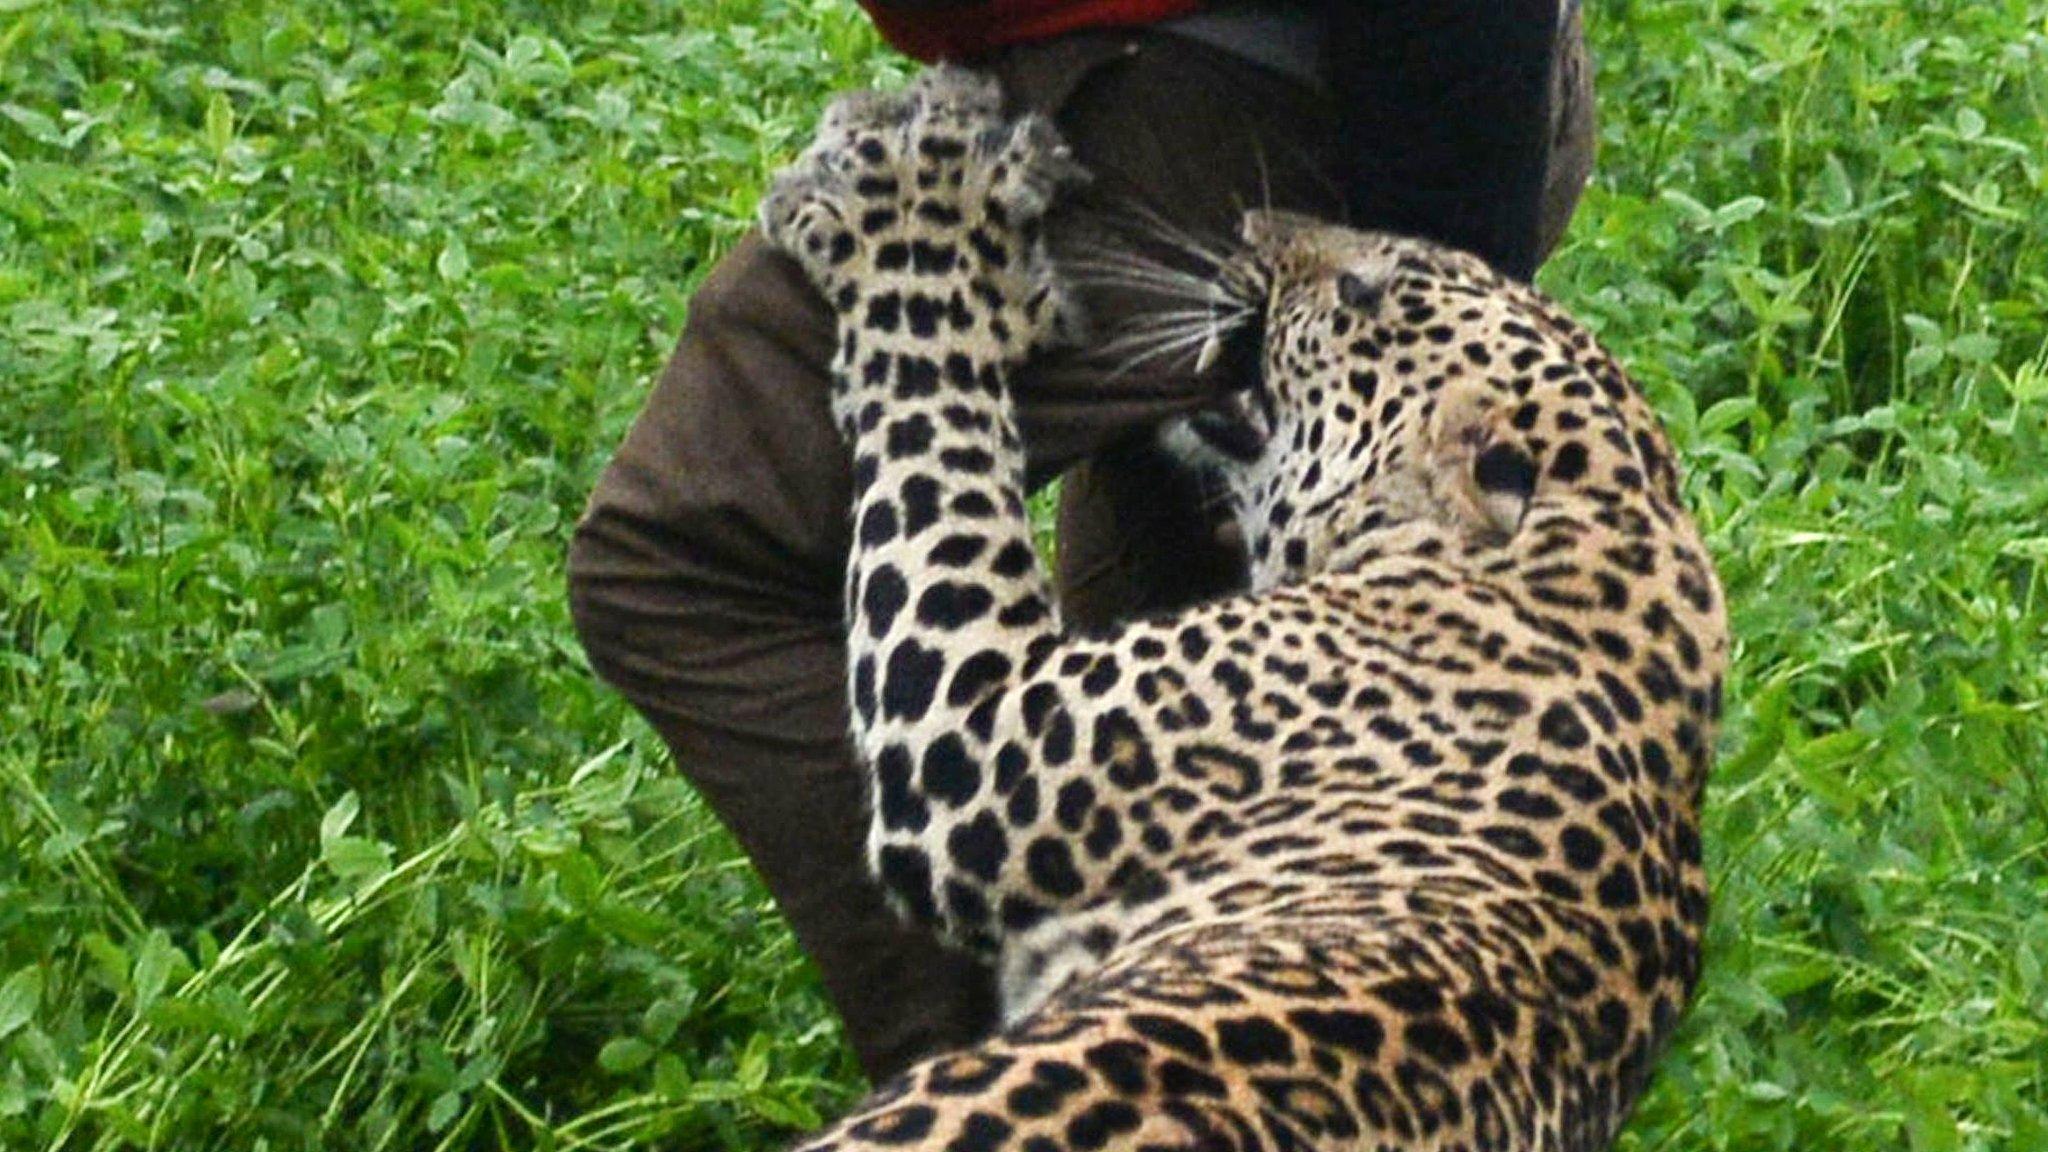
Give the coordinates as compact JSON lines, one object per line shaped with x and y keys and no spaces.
{"x":705,"y":577}
{"x":1475,"y":71}
{"x":963,"y":30}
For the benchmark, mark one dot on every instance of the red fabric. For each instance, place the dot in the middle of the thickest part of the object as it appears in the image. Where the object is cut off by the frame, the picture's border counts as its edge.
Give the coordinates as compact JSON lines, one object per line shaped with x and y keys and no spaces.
{"x":955,"y":34}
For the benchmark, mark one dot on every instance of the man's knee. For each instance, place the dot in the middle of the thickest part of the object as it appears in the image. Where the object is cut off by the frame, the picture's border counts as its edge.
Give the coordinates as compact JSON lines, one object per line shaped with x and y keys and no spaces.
{"x":603,"y":597}
{"x":729,"y":489}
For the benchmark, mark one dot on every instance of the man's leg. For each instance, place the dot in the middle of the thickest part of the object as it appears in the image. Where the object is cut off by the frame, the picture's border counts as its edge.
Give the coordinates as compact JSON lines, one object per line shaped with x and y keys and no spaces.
{"x":1448,"y":105}
{"x":704,"y":583}
{"x":1573,"y":140}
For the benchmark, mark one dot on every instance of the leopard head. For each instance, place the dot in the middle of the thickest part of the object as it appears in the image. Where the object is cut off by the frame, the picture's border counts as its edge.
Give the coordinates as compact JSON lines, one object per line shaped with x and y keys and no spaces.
{"x":1381,"y":384}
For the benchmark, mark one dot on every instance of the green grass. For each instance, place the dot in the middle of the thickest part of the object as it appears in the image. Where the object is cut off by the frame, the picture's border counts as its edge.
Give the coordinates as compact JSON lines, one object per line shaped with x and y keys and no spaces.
{"x":318,"y":320}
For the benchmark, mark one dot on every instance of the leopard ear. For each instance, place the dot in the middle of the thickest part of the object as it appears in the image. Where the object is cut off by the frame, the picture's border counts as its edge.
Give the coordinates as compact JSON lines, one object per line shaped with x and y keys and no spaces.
{"x":1483,"y":473}
{"x":1504,"y":476}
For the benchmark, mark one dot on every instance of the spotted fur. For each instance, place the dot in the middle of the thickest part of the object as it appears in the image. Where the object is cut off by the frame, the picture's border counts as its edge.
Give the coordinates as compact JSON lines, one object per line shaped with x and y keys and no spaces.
{"x":1399,"y":850}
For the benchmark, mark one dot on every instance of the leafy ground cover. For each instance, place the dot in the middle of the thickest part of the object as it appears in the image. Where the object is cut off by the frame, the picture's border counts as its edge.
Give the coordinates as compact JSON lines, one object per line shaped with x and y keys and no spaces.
{"x":317,"y":321}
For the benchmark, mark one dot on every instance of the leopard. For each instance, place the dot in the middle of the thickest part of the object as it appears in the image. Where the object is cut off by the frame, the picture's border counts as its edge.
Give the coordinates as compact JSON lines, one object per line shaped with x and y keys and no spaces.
{"x":1396,"y":849}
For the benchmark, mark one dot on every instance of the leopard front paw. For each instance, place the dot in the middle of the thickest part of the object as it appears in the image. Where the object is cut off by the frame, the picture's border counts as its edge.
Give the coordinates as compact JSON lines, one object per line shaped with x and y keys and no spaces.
{"x":932,"y":195}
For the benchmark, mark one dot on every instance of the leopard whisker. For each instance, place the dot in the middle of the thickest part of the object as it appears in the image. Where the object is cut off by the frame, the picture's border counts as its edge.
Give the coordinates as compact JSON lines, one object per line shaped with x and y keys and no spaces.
{"x":1181,"y":343}
{"x":1147,"y":221}
{"x":1167,"y":281}
{"x":1208,"y":318}
{"x":1177,"y":289}
{"x":1149,"y":340}
{"x":1138,"y":339}
{"x":1166,"y":320}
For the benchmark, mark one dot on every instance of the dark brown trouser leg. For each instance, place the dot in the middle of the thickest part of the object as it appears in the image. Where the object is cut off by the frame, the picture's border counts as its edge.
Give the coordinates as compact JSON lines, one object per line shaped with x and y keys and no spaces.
{"x":704,"y":584}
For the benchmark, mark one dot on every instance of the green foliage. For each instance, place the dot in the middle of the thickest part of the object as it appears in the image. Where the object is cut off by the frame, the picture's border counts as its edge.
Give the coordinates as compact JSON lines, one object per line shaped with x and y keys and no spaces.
{"x":1821,"y":240}
{"x":318,"y":320}
{"x":316,"y":323}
